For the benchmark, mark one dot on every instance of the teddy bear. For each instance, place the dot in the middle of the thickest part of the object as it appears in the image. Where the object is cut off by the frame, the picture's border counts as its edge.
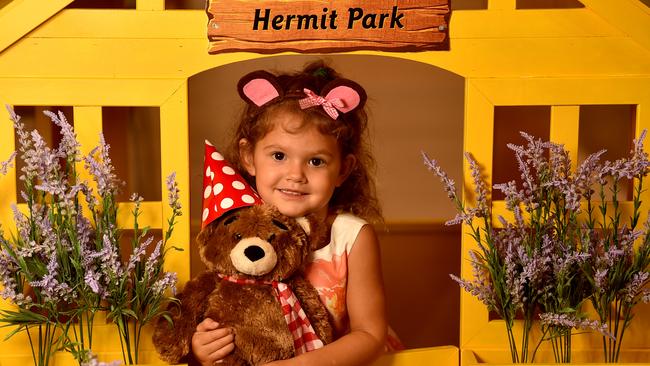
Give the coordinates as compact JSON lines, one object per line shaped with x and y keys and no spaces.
{"x":253,"y":284}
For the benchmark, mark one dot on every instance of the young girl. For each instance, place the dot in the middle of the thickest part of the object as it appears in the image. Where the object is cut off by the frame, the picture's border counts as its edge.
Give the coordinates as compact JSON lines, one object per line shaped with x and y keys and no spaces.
{"x":301,"y":143}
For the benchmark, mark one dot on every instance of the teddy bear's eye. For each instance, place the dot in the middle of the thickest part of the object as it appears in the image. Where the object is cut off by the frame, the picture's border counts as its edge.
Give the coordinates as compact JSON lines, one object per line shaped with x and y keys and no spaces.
{"x":280,"y":225}
{"x":271,"y":237}
{"x":236,"y":236}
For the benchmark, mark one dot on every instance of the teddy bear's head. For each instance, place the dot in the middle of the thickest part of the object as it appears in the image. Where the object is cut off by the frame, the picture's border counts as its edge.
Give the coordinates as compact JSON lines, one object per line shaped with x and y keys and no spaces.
{"x":257,"y":241}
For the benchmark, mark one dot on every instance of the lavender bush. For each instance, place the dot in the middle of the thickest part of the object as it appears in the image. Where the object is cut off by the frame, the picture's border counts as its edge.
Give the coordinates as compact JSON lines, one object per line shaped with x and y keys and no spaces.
{"x":63,"y":264}
{"x":551,"y":259}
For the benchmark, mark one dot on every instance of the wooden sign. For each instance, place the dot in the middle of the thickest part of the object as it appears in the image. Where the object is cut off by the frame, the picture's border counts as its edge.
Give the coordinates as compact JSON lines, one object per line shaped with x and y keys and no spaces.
{"x":327,"y":25}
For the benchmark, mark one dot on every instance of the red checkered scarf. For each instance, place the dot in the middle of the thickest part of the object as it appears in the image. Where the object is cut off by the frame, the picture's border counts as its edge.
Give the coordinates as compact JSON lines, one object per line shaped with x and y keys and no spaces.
{"x":304,"y":337}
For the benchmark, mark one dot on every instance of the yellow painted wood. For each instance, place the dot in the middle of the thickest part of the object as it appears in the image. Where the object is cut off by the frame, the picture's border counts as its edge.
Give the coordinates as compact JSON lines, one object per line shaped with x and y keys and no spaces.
{"x":169,"y":58}
{"x":502,"y":4}
{"x":150,"y":4}
{"x":81,"y":92}
{"x":478,"y":137}
{"x":542,"y":23}
{"x":21,"y":16}
{"x":8,"y":181}
{"x":564,"y":129}
{"x":97,"y":23}
{"x":174,"y":139}
{"x":567,"y":90}
{"x":150,"y":215}
{"x":630,"y":16}
{"x":439,"y":356}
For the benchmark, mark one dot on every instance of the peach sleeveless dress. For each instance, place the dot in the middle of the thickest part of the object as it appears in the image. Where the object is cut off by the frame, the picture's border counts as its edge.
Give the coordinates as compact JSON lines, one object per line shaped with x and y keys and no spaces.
{"x":327,"y":271}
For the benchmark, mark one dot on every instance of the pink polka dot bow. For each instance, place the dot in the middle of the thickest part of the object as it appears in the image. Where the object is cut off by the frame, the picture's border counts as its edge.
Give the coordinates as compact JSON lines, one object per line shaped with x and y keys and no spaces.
{"x":223,"y":188}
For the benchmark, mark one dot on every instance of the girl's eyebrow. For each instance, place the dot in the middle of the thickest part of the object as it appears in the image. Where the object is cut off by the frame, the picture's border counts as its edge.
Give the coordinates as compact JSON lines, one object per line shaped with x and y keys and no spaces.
{"x":273,"y":147}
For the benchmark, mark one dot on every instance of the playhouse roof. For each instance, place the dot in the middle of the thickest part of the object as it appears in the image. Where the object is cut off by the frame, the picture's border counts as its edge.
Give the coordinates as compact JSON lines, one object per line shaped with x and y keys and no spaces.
{"x":605,"y":38}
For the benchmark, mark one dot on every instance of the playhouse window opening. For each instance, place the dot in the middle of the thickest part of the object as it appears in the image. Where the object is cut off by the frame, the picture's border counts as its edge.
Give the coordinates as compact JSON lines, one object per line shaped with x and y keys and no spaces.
{"x":508,"y":122}
{"x":549,"y":4}
{"x":609,"y":127}
{"x":133,"y":134}
{"x":102,"y":4}
{"x":33,"y":119}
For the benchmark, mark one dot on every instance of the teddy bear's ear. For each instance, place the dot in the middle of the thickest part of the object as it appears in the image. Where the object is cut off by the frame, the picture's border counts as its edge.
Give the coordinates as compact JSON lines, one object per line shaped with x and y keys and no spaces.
{"x":317,"y":231}
{"x":304,"y":223}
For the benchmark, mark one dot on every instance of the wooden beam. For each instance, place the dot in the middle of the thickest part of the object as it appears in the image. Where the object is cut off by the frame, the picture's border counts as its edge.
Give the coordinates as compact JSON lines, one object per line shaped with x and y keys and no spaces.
{"x":19,"y":17}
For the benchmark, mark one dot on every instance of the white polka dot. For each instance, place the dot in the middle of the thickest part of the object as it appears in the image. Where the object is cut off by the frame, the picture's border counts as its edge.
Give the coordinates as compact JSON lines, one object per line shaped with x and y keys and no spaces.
{"x":227,"y":202}
{"x":217,"y":188}
{"x":208,"y":172}
{"x":238,"y":185}
{"x":208,"y":143}
{"x":216,"y":156}
{"x":207,"y":191}
{"x":228,"y":170}
{"x":206,"y":212}
{"x":216,"y":208}
{"x":248,"y":198}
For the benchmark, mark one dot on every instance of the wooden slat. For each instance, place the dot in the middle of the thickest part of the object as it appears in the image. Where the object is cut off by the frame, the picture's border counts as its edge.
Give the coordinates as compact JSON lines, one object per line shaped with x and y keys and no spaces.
{"x":80,"y":92}
{"x":564,"y":129}
{"x":630,"y":16}
{"x":19,"y":17}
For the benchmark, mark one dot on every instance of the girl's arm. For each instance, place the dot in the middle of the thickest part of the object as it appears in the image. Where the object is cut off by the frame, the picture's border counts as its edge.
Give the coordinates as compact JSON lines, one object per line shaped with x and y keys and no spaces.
{"x":366,"y":309}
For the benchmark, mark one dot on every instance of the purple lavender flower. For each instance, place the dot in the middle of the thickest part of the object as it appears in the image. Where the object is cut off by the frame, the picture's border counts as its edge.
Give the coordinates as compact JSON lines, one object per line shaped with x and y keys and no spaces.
{"x":109,"y":258}
{"x":102,"y":169}
{"x":447,"y":183}
{"x":513,"y":196}
{"x":633,"y":288}
{"x":152,"y":261}
{"x":50,"y":287}
{"x":9,"y":163}
{"x":138,"y":253}
{"x":571,"y":321}
{"x":173,"y":194}
{"x":69,"y":146}
{"x":601,"y":282}
{"x":92,"y":361}
{"x":168,"y":280}
{"x":482,"y":205}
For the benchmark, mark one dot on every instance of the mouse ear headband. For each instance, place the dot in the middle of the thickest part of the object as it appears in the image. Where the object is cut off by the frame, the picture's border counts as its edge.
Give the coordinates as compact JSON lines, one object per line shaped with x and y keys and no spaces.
{"x":339,"y":95}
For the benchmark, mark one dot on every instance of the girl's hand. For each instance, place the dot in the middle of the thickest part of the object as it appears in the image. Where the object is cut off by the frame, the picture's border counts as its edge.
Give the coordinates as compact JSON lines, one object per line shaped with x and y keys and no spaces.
{"x":210,"y":343}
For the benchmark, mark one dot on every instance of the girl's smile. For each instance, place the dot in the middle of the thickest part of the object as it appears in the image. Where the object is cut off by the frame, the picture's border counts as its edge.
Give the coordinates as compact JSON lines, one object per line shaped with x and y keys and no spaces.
{"x":296,"y":167}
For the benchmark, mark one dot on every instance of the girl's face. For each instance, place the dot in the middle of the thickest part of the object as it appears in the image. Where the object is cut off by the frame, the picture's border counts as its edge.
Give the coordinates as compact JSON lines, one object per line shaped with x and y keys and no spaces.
{"x":296,"y":171}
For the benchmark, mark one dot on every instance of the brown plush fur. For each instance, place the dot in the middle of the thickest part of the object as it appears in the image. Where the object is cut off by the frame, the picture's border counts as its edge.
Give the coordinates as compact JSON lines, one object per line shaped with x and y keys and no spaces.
{"x":261,"y":333}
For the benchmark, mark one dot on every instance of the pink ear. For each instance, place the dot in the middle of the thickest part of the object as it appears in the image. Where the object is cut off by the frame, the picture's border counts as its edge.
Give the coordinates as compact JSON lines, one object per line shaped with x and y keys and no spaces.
{"x":260,"y":91}
{"x":347,"y":95}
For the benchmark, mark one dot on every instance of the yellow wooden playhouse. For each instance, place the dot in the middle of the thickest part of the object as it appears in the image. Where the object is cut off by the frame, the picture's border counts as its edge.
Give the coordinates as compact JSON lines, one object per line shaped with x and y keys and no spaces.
{"x":574,"y":71}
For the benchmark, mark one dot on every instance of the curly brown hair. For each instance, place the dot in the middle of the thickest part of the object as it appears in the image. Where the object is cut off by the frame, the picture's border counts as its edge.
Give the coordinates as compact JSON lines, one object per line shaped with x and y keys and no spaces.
{"x":357,"y":194}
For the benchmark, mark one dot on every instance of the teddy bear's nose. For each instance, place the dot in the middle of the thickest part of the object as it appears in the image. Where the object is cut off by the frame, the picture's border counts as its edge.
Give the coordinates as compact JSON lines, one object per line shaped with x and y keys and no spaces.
{"x":254,"y":253}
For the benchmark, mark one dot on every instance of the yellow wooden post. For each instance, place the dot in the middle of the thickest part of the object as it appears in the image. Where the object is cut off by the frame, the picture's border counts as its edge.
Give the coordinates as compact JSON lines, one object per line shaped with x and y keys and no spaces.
{"x":564,"y":129}
{"x":174,"y":139}
{"x":8,"y":181}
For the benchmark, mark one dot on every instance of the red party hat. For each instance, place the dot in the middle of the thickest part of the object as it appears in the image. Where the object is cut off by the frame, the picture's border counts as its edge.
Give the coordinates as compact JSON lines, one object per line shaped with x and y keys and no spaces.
{"x":223,"y":188}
